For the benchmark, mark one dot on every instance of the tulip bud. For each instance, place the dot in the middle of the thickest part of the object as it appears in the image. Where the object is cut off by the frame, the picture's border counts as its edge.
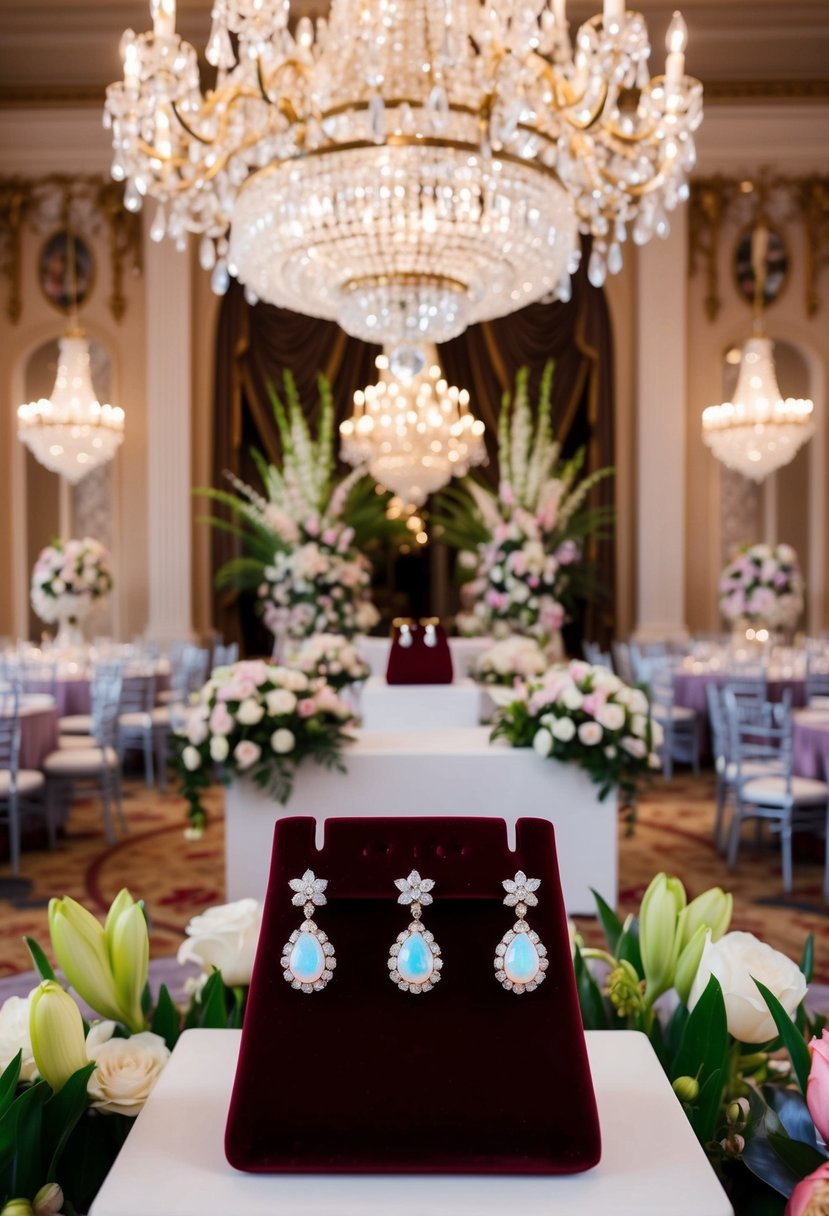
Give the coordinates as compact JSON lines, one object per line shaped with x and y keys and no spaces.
{"x":128,"y":945}
{"x":687,"y":964}
{"x":49,"y":1200}
{"x":56,"y":1030}
{"x":712,"y":908}
{"x":17,"y":1207}
{"x":659,"y":940}
{"x":686,"y":1089}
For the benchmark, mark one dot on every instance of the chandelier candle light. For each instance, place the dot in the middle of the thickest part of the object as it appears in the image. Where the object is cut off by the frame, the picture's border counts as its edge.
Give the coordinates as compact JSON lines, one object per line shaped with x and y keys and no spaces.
{"x":758,"y":432}
{"x":414,"y":434}
{"x":405,"y":169}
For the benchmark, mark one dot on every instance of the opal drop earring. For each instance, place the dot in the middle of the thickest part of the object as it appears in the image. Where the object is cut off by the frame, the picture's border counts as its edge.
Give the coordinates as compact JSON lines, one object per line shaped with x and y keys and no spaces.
{"x":520,"y":956}
{"x":414,"y":959}
{"x":308,"y":960}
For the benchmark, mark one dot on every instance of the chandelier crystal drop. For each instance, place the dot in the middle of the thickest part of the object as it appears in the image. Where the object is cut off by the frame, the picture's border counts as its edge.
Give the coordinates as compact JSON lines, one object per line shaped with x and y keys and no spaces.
{"x":71,"y":433}
{"x":412,"y":434}
{"x":406,"y":167}
{"x":758,"y":432}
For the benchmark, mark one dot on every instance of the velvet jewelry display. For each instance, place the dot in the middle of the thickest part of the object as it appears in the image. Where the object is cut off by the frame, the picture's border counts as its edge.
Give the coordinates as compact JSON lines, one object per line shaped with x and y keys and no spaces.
{"x":360,"y":1077}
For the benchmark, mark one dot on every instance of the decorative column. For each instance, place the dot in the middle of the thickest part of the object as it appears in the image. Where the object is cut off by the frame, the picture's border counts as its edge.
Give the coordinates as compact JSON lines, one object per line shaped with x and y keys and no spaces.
{"x":662,"y":268}
{"x":167,"y":277}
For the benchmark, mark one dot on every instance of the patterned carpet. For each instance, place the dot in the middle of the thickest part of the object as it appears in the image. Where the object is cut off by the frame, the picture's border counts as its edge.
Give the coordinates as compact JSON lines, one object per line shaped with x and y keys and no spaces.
{"x":177,"y":878}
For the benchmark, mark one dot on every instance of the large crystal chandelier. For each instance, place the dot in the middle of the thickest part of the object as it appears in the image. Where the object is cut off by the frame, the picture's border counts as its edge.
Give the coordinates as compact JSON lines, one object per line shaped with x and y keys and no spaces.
{"x":758,"y":432}
{"x":70,"y":432}
{"x":413,"y":434}
{"x":406,"y":167}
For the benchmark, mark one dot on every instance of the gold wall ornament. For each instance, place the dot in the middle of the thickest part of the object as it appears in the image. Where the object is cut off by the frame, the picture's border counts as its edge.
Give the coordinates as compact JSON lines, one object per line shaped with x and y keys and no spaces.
{"x":780,"y":202}
{"x":90,"y":205}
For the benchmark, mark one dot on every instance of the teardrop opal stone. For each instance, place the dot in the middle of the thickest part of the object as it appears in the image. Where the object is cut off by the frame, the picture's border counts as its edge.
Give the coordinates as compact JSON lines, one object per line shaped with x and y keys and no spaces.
{"x":307,"y":961}
{"x":521,"y":960}
{"x":415,"y":961}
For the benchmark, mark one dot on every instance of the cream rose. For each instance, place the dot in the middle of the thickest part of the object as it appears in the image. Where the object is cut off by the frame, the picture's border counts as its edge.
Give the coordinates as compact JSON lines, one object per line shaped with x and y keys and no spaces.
{"x":191,"y":758}
{"x":224,"y":937}
{"x":250,"y":712}
{"x":543,"y":742}
{"x":563,"y":729}
{"x":737,"y":960}
{"x":590,"y":733}
{"x":281,"y":701}
{"x":14,"y":1036}
{"x":219,"y":748}
{"x":246,"y":753}
{"x":283,"y":741}
{"x":127,"y":1071}
{"x":611,"y":717}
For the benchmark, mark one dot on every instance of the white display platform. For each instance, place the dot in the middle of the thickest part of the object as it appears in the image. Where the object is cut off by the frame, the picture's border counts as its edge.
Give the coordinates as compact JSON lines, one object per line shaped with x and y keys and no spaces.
{"x":419,"y":706}
{"x":464,"y":651}
{"x":173,"y":1163}
{"x":428,"y":773}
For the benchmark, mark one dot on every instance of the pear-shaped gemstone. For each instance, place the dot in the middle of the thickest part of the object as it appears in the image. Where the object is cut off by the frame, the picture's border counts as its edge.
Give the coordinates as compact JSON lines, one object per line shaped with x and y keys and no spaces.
{"x":415,"y":961}
{"x":521,"y":960}
{"x":307,"y":961}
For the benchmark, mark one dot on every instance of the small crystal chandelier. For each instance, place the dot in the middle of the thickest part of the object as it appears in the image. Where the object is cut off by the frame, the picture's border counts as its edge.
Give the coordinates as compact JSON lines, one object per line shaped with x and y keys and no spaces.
{"x":406,"y":169}
{"x":758,"y":432}
{"x":414,"y":434}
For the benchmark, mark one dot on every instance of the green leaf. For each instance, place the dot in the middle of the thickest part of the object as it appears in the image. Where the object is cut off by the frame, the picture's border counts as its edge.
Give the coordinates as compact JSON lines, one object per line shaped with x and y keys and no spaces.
{"x":42,"y":965}
{"x":8,"y":1083}
{"x":610,"y":922}
{"x":793,"y":1041}
{"x":213,"y":1007}
{"x":807,"y":959}
{"x":20,"y":1139}
{"x":703,"y":1053}
{"x":166,"y":1019}
{"x":593,"y":1011}
{"x":60,"y":1114}
{"x":627,"y":947}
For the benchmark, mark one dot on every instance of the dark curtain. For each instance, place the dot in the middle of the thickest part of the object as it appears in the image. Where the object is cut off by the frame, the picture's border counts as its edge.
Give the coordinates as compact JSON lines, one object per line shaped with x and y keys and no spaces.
{"x":256,"y":344}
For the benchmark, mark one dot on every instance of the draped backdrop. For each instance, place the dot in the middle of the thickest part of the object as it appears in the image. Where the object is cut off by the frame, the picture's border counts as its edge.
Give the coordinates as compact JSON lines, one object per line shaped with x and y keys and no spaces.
{"x":256,"y":344}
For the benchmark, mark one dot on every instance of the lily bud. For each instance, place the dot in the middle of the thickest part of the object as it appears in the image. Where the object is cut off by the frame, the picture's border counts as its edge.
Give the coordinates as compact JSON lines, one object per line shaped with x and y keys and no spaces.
{"x":687,"y":965}
{"x":659,"y":940}
{"x":49,"y":1200}
{"x":128,"y":945}
{"x":56,"y":1030}
{"x":686,"y":1089}
{"x":17,"y":1207}
{"x":712,"y":908}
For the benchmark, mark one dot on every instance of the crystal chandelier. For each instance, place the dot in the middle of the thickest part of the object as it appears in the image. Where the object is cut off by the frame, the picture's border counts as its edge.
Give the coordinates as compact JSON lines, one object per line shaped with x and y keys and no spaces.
{"x":413,"y":434}
{"x":758,"y":432}
{"x":71,"y":433}
{"x":405,"y":168}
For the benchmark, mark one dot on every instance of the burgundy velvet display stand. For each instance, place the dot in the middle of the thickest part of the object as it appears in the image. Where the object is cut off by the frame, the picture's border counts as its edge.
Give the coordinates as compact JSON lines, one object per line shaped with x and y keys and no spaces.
{"x":419,"y":663}
{"x":364,"y":1078}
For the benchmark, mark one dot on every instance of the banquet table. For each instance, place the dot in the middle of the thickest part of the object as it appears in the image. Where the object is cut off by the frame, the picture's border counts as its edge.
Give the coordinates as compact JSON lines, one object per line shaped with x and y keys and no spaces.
{"x":690,"y":686}
{"x":72,"y":687}
{"x":810,"y":744}
{"x":419,"y":706}
{"x":436,"y":773}
{"x":464,"y":651}
{"x":38,"y":728}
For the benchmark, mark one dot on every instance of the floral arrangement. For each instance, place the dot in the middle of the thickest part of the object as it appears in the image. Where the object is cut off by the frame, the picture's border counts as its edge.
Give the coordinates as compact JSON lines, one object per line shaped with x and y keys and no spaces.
{"x":721,"y":1009}
{"x":332,"y":658}
{"x":587,"y":715}
{"x":260,"y":720}
{"x":522,"y":547}
{"x":69,"y":578}
{"x":304,"y":536}
{"x":763,"y":585}
{"x":69,"y":1091}
{"x":510,"y":661}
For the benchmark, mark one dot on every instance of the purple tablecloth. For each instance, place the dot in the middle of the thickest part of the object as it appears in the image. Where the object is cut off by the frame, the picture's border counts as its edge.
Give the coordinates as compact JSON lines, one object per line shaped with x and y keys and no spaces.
{"x":810,"y":744}
{"x":72,"y":693}
{"x":690,"y":686}
{"x":38,"y":735}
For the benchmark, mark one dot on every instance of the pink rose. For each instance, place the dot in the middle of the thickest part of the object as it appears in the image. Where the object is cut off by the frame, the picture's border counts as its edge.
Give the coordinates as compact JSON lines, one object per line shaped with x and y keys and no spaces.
{"x":327,"y":700}
{"x":221,"y":723}
{"x":811,"y":1195}
{"x":236,"y":689}
{"x":567,"y":553}
{"x":594,"y":701}
{"x":817,"y":1090}
{"x":311,"y":526}
{"x":306,"y":707}
{"x":534,"y":581}
{"x":253,"y":669}
{"x":329,"y":537}
{"x":246,"y":753}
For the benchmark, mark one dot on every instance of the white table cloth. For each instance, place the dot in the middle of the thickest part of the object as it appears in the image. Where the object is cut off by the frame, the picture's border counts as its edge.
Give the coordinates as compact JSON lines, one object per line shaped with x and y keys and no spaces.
{"x":419,"y":706}
{"x":173,"y":1163}
{"x":464,"y":651}
{"x":429,"y":773}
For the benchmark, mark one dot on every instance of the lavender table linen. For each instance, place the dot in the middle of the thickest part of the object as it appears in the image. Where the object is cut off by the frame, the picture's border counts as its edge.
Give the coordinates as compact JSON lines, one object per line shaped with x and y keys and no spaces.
{"x":810,"y":744}
{"x":38,"y":734}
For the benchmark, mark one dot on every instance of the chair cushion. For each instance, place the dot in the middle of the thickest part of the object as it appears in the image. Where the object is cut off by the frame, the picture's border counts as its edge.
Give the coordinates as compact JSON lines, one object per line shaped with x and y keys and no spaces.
{"x":28,"y":781}
{"x":166,"y":696}
{"x":750,"y":768}
{"x":771,"y":791}
{"x":76,"y":741}
{"x":677,"y":713}
{"x":138,"y":719}
{"x":160,"y":716}
{"x":70,"y":761}
{"x":75,"y":724}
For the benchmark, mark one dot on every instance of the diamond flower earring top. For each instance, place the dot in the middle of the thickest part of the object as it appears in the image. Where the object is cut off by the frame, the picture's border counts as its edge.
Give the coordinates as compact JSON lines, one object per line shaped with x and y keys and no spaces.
{"x":520,"y":957}
{"x":414,"y":959}
{"x":308,"y":960}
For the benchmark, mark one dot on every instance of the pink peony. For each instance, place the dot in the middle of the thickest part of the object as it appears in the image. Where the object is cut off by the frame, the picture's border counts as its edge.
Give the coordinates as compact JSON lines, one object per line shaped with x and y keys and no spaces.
{"x":329,"y":537}
{"x":811,"y":1196}
{"x":307,"y":707}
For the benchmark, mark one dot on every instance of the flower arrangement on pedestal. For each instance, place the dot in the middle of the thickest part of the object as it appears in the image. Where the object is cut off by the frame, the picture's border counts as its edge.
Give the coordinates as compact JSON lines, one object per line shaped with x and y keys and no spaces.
{"x":509,"y":662}
{"x":258,"y":720}
{"x":521,"y":558}
{"x":332,"y":658}
{"x":585,"y":714}
{"x":303,"y":537}
{"x":763,"y":587}
{"x":69,"y":579}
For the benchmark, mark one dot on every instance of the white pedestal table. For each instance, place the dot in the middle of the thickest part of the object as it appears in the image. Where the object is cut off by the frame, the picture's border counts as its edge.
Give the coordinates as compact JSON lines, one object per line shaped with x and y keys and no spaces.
{"x":419,"y":706}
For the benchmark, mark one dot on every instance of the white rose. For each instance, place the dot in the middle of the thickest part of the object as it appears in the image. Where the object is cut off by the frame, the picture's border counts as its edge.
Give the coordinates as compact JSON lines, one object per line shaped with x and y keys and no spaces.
{"x":639,"y":725}
{"x":250,"y":712}
{"x":571,"y":698}
{"x":224,"y":937}
{"x":605,"y":679}
{"x":283,"y":741}
{"x":737,"y":960}
{"x":281,"y":701}
{"x":564,"y":729}
{"x":127,"y":1071}
{"x":611,"y":717}
{"x":219,"y":748}
{"x":634,"y":747}
{"x":191,"y":759}
{"x":543,"y":742}
{"x":590,"y":733}
{"x":638,"y":702}
{"x":14,"y":1036}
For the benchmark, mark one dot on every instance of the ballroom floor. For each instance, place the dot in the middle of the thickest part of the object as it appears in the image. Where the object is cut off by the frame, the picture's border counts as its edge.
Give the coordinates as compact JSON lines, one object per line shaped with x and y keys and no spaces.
{"x":177,"y":878}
